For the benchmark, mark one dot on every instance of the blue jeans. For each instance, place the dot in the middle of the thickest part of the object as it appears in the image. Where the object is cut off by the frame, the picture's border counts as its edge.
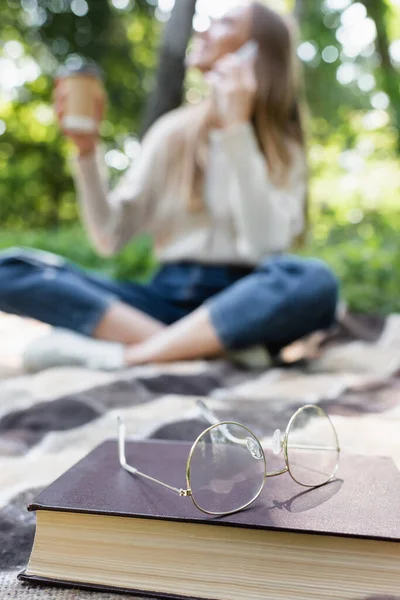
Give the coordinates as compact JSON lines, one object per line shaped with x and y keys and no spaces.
{"x":280,"y":301}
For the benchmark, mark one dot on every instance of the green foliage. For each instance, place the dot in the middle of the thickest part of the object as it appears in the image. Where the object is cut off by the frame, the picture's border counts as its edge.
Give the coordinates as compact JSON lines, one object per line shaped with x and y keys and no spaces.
{"x":364,"y":254}
{"x":323,"y":28}
{"x":35,"y":183}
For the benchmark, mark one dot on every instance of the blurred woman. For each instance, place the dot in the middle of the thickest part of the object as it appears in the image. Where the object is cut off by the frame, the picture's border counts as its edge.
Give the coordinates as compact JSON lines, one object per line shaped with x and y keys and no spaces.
{"x":222,"y":187}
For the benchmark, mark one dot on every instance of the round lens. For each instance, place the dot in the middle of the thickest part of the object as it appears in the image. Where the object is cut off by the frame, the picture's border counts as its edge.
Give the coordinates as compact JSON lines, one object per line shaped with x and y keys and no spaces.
{"x":312,"y":447}
{"x":227,"y":469}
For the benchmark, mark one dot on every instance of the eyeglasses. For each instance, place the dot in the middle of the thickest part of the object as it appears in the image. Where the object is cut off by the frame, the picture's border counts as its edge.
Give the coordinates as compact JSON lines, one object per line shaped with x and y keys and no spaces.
{"x":226,"y":469}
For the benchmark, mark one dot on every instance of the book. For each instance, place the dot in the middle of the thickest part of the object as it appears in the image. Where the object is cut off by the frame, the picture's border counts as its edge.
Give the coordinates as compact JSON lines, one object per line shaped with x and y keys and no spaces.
{"x":100,"y":527}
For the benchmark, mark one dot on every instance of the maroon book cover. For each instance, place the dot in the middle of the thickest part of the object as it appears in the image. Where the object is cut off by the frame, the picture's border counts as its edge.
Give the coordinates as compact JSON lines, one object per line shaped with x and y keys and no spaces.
{"x":362,"y":501}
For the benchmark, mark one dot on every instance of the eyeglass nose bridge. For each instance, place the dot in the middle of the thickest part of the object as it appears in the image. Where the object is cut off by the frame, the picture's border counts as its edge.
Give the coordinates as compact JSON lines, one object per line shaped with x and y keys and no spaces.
{"x":278,"y":445}
{"x":277,"y":442}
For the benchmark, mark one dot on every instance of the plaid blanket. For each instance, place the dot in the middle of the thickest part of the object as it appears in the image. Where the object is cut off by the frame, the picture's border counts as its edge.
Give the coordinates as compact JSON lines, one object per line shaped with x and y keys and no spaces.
{"x":51,"y":420}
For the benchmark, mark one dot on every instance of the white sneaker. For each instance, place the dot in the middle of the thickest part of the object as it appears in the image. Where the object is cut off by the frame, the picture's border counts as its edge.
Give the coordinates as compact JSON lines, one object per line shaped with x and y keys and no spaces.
{"x":64,"y":348}
{"x":390,"y":337}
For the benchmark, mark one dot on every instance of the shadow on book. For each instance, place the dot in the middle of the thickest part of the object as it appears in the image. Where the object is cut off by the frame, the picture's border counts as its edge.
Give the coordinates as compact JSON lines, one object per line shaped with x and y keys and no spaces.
{"x":310,"y":498}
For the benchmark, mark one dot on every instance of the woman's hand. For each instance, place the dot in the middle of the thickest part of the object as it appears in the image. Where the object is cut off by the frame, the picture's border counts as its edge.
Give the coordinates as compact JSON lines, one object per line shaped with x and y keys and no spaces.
{"x":234,"y":88}
{"x":85,"y":142}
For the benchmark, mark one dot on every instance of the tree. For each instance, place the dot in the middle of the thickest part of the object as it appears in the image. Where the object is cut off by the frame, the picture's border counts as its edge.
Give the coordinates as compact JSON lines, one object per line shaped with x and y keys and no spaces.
{"x":388,"y":75}
{"x":168,"y":93}
{"x":298,"y":10}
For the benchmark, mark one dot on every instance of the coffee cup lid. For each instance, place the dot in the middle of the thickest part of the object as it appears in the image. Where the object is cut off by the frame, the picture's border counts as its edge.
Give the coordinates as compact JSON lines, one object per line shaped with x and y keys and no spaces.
{"x":86,"y":67}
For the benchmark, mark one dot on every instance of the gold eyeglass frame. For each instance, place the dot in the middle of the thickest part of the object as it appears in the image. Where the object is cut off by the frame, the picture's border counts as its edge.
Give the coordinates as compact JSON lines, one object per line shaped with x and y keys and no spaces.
{"x":209,"y":415}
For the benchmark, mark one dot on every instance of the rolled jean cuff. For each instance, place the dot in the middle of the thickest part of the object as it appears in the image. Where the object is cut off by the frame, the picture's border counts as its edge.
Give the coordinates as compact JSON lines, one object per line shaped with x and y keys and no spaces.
{"x":87,"y":322}
{"x":223,"y":326}
{"x":285,"y":299}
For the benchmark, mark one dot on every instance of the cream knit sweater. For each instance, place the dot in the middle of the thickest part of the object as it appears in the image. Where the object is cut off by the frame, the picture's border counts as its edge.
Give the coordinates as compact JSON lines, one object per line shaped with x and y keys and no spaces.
{"x":245,"y":219}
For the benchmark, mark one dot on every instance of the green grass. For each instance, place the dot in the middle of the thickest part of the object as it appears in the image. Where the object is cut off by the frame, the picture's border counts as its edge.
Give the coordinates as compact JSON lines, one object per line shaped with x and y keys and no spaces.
{"x":365,"y":255}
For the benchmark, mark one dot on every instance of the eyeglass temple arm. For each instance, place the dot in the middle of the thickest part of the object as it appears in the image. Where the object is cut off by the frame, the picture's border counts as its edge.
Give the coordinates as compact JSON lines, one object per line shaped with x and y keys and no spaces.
{"x":132,"y":470}
{"x":207,"y":412}
{"x":213,"y":420}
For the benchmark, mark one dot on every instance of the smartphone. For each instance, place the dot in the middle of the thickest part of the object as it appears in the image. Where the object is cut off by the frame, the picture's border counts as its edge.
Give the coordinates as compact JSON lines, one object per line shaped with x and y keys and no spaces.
{"x":248,"y":51}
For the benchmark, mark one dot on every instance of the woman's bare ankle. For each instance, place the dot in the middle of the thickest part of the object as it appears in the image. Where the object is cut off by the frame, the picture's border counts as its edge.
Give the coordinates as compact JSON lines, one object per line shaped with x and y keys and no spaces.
{"x":136,"y":354}
{"x":126,"y":325}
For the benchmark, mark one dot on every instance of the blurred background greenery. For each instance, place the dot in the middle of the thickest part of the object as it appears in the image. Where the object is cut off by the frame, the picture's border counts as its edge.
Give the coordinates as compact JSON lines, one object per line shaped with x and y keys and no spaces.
{"x":350,"y":51}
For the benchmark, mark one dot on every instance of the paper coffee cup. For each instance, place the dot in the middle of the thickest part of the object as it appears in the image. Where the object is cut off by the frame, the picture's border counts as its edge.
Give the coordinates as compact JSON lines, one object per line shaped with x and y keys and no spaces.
{"x":83,"y":88}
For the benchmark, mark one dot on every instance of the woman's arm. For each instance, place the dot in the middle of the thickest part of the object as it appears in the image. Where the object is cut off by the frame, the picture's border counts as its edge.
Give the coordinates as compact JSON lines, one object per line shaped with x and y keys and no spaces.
{"x":267,"y":218}
{"x":112,"y":218}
